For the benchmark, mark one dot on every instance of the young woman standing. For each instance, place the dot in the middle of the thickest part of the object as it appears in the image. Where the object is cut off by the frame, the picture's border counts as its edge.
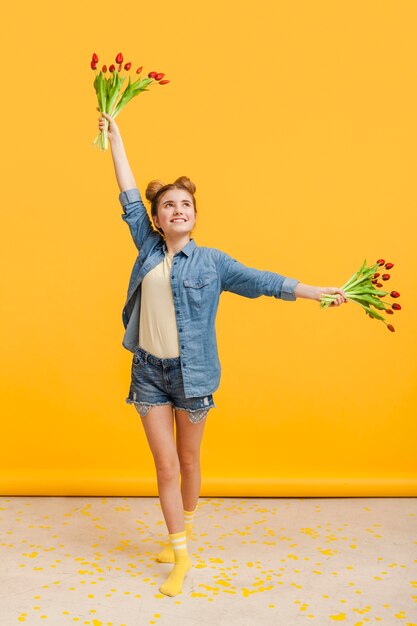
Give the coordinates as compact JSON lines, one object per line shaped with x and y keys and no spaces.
{"x":169,"y":320}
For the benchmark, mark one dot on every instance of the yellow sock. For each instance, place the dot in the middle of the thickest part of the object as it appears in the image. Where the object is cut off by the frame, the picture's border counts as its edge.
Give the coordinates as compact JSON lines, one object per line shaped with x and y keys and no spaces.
{"x":173,"y":583}
{"x":167,"y":554}
{"x":189,"y":520}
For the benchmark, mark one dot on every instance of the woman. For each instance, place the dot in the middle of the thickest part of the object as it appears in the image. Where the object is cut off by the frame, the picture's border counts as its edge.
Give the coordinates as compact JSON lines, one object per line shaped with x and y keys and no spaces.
{"x":169,"y":320}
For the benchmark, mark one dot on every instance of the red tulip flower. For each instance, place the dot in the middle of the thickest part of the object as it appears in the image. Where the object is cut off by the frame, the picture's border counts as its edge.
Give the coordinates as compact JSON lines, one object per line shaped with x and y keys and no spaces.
{"x":364,"y":289}
{"x":111,"y":98}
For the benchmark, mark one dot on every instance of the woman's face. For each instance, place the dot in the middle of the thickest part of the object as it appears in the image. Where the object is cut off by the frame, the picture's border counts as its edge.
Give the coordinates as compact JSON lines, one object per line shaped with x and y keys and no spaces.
{"x":176,"y":213}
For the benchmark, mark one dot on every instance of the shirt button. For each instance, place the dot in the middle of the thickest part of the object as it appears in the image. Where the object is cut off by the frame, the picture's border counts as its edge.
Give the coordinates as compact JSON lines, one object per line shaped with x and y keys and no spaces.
{"x":180,"y":329}
{"x":177,"y":311}
{"x":182,"y":346}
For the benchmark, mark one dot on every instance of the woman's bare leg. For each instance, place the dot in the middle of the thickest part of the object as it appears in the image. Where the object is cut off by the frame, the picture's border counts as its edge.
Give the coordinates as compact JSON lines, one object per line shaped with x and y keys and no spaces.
{"x":159,"y":428}
{"x":189,"y":437}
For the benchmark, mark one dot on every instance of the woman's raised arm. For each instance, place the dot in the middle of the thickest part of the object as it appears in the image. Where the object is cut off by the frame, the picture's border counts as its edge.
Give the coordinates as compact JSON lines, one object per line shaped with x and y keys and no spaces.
{"x":134,"y":211}
{"x":124,"y":174}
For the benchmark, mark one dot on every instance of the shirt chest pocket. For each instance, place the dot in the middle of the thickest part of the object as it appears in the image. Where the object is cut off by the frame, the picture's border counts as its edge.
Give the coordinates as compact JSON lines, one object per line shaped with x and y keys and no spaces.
{"x":198,"y":289}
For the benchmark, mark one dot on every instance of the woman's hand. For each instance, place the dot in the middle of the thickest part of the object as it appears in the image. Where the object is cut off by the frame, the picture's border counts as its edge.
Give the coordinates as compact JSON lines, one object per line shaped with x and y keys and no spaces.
{"x":112,"y":130}
{"x":341,"y":296}
{"x":315,"y":293}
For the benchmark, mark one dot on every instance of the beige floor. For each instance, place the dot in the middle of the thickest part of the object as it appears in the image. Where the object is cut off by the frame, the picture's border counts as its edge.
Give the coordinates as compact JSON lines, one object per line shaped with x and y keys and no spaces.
{"x":272,"y":561}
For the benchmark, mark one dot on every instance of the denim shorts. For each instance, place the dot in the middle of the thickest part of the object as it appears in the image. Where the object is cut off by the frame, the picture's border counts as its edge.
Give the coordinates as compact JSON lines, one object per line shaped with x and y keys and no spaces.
{"x":157,"y":381}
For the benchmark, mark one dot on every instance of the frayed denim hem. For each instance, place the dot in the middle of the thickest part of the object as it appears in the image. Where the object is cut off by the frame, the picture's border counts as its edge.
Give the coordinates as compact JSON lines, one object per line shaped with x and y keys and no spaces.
{"x":143,"y":407}
{"x":195,"y":415}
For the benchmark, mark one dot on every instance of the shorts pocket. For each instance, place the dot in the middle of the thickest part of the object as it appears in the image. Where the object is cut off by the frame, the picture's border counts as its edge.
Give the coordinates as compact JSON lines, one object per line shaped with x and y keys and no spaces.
{"x":138,"y":359}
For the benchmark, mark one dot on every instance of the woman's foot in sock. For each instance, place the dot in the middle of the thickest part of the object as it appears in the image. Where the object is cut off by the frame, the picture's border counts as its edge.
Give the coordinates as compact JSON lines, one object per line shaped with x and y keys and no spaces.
{"x":167,"y":554}
{"x":173,"y":584}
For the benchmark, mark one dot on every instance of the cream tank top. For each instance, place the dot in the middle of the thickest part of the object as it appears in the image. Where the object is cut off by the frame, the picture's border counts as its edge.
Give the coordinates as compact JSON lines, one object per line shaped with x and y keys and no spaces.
{"x":158,"y":333}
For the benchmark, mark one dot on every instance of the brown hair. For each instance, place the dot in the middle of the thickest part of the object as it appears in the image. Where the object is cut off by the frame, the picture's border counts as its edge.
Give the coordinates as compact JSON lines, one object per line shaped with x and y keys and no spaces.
{"x":156,"y":189}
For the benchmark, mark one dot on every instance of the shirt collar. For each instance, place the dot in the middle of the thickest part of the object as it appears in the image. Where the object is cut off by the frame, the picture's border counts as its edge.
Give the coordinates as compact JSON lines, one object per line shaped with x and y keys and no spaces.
{"x":187,"y":249}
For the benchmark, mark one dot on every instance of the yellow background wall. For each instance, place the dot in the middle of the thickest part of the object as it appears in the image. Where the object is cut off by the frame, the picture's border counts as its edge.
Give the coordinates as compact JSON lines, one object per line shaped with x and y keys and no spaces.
{"x":297,"y":122}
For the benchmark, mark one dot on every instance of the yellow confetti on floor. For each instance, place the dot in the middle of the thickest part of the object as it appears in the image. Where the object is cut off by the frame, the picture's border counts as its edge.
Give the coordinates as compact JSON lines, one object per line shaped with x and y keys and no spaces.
{"x":96,"y":557}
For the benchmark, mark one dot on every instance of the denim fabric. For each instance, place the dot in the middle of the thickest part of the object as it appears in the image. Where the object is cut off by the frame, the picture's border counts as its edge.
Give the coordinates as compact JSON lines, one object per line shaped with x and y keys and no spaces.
{"x":158,"y":381}
{"x":199,"y":275}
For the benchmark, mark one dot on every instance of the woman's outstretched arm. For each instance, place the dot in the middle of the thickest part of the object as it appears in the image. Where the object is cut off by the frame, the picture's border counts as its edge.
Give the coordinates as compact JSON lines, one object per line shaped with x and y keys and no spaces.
{"x":252,"y":282}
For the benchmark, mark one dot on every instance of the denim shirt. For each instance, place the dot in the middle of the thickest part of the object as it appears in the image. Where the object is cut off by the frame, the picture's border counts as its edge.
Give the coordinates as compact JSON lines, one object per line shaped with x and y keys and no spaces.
{"x":198,"y":276}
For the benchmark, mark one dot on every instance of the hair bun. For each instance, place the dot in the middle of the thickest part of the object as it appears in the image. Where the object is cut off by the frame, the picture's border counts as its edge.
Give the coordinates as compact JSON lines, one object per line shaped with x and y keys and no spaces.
{"x":184,"y":181}
{"x":152,"y":189}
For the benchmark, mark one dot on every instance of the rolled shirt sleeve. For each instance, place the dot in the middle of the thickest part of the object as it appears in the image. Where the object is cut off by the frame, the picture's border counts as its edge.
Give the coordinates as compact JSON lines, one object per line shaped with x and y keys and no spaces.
{"x":128,"y":197}
{"x":135,"y":216}
{"x":286,"y":289}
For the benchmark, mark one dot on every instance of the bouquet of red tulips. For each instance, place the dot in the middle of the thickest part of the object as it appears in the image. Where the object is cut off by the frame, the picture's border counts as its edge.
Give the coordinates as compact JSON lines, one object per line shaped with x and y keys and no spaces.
{"x":364,"y":289}
{"x":111,"y":100}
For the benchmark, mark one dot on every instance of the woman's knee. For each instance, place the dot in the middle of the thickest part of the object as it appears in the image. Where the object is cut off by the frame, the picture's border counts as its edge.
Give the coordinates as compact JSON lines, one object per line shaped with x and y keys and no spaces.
{"x":189,"y":462}
{"x":167,"y":468}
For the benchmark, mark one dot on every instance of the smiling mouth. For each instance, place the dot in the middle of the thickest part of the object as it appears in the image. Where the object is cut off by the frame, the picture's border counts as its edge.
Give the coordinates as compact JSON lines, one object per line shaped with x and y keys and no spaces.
{"x":179,"y":219}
